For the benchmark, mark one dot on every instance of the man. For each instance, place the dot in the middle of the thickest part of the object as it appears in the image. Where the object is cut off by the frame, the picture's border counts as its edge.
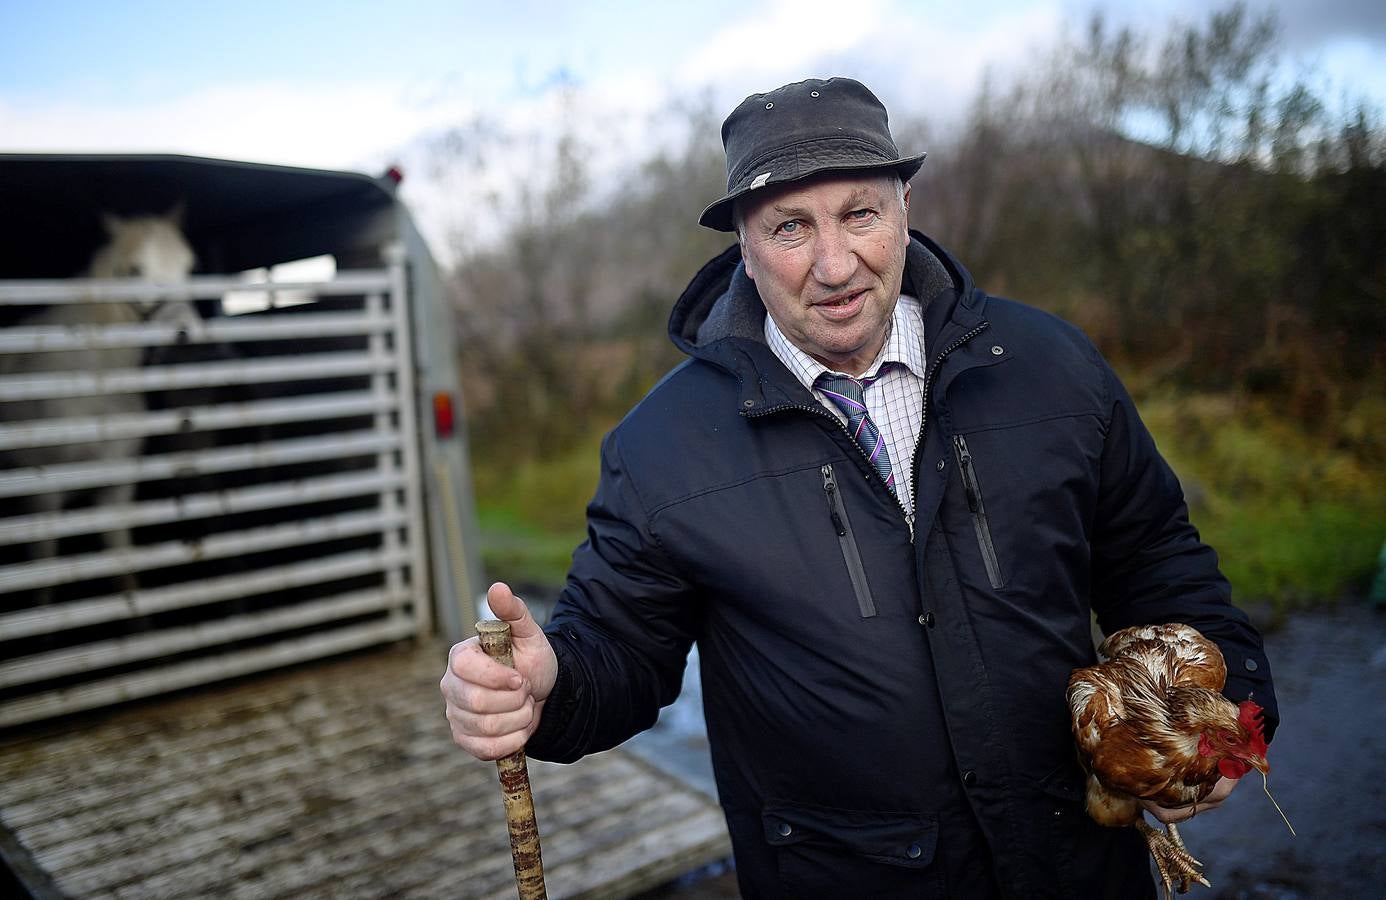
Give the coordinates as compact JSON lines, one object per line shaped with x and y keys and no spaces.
{"x":889,"y":575}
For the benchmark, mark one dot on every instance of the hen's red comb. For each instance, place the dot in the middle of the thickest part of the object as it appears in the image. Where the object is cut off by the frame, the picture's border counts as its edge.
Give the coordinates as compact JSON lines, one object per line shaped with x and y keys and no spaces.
{"x":1249,"y":715}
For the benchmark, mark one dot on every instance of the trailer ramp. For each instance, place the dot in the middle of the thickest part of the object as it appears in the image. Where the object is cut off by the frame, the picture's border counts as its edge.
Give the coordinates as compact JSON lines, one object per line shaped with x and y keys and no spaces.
{"x":336,"y":779}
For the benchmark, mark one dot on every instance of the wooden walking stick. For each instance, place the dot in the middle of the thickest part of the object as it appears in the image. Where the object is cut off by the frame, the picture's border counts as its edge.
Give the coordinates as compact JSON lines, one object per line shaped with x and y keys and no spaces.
{"x":514,"y":781}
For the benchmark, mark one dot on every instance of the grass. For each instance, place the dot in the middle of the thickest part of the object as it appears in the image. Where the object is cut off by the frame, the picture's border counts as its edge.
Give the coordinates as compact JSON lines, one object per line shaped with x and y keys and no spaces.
{"x":519,"y":553}
{"x":1297,"y":519}
{"x":532,"y":514}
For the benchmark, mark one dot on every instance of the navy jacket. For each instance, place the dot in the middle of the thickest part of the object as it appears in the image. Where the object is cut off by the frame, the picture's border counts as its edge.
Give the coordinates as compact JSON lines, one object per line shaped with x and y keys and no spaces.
{"x":884,"y":695}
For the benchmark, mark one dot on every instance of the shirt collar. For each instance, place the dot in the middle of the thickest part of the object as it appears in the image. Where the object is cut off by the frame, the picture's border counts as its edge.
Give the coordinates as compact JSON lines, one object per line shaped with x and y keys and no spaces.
{"x":904,"y":344}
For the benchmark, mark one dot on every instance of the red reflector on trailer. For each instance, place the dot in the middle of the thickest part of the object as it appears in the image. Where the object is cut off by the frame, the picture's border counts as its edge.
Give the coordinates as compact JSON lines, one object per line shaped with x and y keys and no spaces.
{"x":442,"y":414}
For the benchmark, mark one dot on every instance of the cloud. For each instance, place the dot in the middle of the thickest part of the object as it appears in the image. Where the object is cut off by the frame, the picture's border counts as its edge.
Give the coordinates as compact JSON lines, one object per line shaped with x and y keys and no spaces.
{"x":1309,"y":24}
{"x":326,"y":126}
{"x":921,"y":60}
{"x":925,"y":60}
{"x":937,"y":62}
{"x":1306,"y":26}
{"x":781,"y":36}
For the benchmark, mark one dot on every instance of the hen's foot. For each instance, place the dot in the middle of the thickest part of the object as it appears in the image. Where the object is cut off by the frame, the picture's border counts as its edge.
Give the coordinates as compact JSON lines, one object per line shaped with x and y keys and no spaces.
{"x":1171,"y":859}
{"x":1173,"y":831}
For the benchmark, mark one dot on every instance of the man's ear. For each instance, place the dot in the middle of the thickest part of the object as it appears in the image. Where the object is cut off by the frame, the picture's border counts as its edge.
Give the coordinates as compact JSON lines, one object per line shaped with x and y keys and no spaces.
{"x":745,"y":257}
{"x":906,"y":200}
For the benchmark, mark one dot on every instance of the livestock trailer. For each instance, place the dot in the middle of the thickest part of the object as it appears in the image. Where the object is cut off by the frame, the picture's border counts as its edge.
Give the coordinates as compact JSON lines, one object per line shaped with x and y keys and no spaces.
{"x":298,"y":481}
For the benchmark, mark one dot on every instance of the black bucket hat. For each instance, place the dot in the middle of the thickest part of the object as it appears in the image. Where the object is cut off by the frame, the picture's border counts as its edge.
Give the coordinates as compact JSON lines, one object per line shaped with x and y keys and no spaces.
{"x":800,"y":130}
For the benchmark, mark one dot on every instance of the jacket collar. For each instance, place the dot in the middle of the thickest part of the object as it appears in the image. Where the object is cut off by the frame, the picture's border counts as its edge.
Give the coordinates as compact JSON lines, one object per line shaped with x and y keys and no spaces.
{"x":720,"y":319}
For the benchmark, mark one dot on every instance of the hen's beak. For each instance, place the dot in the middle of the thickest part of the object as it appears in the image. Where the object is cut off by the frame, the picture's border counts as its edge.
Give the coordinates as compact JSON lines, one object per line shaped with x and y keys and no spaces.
{"x":1259,"y":764}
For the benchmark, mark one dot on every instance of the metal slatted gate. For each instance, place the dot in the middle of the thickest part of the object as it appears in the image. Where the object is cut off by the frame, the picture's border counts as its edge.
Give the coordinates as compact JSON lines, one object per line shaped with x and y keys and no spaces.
{"x":245,"y":495}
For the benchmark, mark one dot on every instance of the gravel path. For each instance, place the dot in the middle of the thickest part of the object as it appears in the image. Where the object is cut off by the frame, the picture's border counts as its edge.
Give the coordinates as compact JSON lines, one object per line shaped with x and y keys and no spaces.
{"x":1326,"y":771}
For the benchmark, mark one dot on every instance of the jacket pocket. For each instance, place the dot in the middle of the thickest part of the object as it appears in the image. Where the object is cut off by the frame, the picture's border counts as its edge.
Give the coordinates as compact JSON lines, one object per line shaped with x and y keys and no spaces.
{"x":851,"y":554}
{"x":1089,"y":860}
{"x":977,"y":506}
{"x":827,"y":852}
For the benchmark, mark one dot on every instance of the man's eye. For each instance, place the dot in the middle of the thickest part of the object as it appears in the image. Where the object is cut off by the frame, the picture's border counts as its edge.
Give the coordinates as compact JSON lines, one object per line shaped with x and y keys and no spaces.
{"x":789,"y":228}
{"x":861,"y":214}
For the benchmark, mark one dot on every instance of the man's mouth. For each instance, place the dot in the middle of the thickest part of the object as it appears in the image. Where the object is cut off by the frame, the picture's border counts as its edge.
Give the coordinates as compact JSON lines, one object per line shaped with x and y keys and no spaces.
{"x":842,"y":300}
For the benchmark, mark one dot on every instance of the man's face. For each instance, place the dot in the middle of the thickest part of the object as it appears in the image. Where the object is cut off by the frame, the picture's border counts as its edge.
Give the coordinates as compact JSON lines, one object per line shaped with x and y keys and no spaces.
{"x":827,"y":256}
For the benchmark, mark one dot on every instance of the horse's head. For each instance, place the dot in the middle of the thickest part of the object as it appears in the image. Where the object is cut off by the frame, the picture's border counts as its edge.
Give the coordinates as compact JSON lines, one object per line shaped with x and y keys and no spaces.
{"x":148,"y":247}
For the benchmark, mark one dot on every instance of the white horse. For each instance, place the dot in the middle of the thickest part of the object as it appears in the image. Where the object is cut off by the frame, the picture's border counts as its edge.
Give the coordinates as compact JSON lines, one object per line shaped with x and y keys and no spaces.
{"x":150,"y":248}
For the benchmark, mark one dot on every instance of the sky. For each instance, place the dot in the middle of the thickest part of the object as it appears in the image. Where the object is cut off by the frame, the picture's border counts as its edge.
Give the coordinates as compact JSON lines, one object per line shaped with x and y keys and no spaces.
{"x":356,"y":85}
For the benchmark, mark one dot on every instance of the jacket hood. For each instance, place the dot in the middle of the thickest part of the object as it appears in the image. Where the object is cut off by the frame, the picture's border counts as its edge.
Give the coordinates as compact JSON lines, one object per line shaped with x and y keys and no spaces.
{"x":719,"y":317}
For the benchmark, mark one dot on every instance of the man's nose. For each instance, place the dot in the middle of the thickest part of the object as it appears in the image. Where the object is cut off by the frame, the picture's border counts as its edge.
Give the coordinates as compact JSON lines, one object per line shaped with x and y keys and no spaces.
{"x":834,"y":260}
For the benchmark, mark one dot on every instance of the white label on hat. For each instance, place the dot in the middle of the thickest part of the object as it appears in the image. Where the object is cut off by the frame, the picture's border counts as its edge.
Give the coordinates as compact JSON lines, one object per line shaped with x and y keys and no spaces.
{"x":759,"y":180}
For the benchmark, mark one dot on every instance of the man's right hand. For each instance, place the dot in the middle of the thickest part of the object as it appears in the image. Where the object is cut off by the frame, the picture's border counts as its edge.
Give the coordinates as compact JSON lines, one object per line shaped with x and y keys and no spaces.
{"x":492,"y":709}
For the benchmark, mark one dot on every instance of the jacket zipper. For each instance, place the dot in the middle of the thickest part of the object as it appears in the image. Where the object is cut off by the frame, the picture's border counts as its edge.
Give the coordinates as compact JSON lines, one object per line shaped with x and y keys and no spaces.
{"x":977,"y":506}
{"x":923,"y":421}
{"x":851,"y":554}
{"x":819,"y":411}
{"x":924,"y":414}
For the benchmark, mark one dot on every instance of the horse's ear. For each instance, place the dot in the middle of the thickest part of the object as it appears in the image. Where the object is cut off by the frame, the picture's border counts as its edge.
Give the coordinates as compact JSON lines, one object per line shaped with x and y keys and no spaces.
{"x":178,"y":214}
{"x":112,"y":223}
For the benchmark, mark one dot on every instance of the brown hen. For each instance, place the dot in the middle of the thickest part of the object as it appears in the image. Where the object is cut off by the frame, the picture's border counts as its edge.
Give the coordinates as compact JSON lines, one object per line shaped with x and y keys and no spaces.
{"x":1152,"y":724}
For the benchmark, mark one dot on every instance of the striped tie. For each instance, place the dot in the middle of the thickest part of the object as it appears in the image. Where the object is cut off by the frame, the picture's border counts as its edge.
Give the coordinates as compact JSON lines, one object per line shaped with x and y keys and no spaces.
{"x":847,"y":395}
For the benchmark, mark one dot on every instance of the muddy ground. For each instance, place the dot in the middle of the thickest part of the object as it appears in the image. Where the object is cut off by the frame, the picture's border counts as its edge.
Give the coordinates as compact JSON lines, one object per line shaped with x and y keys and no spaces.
{"x":1328,"y":772}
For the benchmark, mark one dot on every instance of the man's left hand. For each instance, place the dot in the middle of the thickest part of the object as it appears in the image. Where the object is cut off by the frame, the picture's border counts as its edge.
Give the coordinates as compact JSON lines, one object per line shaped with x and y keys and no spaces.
{"x":1170,"y":815}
